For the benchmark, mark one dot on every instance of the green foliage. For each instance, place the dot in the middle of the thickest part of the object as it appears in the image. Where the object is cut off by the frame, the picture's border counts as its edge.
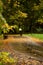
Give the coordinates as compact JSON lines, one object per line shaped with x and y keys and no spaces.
{"x":3,"y":26}
{"x":2,"y":19}
{"x":21,"y":13}
{"x":5,"y":59}
{"x":1,"y":6}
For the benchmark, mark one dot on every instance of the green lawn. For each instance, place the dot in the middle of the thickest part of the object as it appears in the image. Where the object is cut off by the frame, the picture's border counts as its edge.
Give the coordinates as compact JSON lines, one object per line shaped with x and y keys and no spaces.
{"x":39,"y":36}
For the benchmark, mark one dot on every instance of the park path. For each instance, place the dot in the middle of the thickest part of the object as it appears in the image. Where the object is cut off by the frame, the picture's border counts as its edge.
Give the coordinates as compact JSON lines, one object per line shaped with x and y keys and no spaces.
{"x":18,"y":38}
{"x":23,"y":58}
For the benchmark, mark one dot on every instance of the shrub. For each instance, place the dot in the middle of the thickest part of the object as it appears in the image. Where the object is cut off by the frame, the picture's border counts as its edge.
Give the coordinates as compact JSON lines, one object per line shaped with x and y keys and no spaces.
{"x":6,"y":59}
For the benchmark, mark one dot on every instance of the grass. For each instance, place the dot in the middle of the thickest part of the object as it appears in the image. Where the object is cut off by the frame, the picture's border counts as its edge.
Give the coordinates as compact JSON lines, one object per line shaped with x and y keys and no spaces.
{"x":38,"y":36}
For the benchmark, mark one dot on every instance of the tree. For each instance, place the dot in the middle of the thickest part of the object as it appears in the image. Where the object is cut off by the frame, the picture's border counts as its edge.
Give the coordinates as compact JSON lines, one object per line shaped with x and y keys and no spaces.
{"x":3,"y":23}
{"x":23,"y":13}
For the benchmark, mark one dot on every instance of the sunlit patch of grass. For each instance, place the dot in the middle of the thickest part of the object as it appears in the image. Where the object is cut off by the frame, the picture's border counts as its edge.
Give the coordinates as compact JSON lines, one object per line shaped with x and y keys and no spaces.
{"x":38,"y":36}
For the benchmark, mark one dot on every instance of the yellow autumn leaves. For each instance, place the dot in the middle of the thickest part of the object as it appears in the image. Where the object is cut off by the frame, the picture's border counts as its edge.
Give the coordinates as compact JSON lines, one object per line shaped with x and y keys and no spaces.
{"x":21,"y":14}
{"x":4,"y":58}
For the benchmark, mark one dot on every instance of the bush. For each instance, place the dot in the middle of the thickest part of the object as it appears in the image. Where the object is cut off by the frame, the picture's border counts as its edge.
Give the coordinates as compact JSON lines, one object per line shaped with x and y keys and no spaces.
{"x":5,"y":59}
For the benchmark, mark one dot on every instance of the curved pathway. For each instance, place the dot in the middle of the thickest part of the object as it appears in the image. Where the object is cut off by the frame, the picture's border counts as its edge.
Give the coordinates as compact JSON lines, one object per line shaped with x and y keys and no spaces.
{"x":23,"y":58}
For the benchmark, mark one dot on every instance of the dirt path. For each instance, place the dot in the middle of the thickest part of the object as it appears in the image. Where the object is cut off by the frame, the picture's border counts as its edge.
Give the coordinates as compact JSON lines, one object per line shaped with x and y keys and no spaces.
{"x":23,"y":39}
{"x":37,"y":40}
{"x":23,"y":59}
